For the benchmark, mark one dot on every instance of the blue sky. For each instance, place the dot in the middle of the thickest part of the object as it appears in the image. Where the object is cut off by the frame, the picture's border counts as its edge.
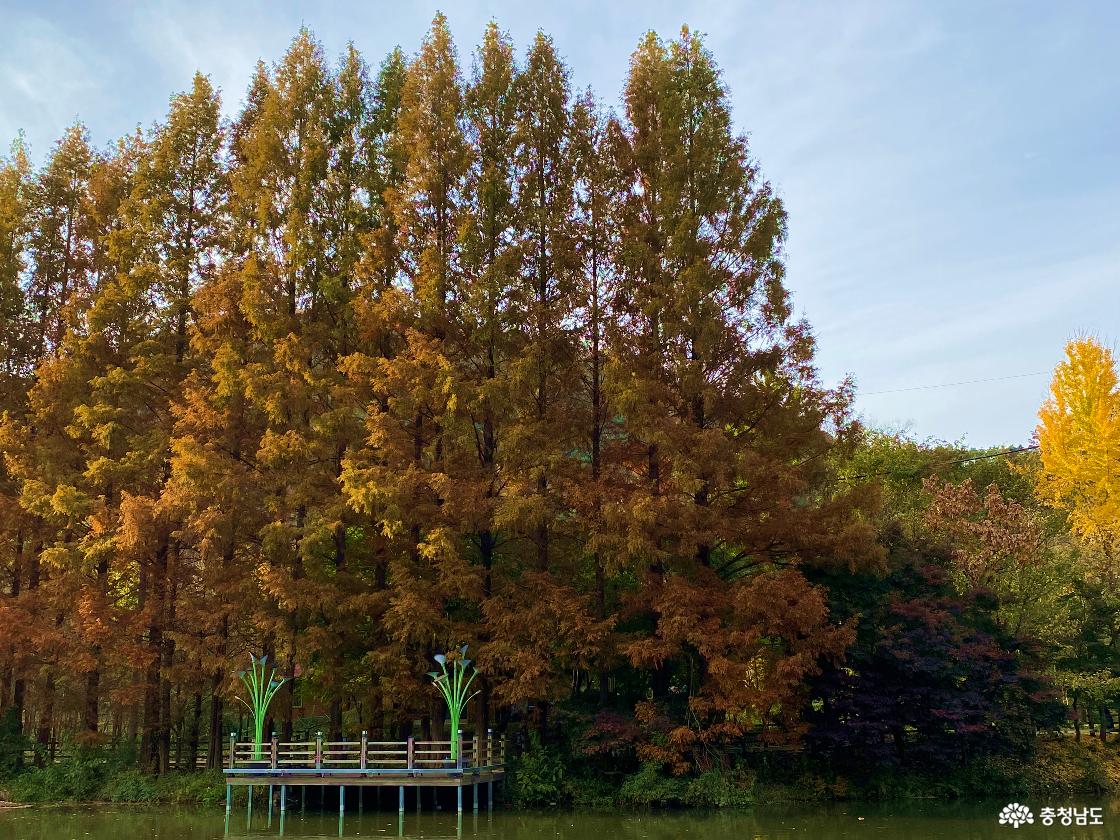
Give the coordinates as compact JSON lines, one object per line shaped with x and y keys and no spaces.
{"x":951,"y":169}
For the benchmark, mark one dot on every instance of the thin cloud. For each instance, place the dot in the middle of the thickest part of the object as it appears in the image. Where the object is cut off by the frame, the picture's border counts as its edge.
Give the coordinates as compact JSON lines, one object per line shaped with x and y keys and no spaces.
{"x":950,"y":169}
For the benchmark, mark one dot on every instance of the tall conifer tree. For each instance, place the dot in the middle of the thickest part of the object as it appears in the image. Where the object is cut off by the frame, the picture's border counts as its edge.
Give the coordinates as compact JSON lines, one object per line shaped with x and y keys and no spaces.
{"x":720,"y":397}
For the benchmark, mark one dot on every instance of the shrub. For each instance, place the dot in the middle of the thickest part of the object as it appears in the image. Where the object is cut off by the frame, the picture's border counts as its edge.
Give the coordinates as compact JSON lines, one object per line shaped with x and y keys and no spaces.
{"x":719,"y":789}
{"x":650,"y":787}
{"x":77,"y":778}
{"x":206,"y":788}
{"x":536,"y":777}
{"x":100,"y":774}
{"x":591,"y":791}
{"x":129,"y":786}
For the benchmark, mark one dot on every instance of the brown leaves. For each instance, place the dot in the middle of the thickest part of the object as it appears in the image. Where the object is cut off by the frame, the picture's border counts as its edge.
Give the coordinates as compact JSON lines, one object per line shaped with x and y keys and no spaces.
{"x":990,"y":535}
{"x":539,"y":630}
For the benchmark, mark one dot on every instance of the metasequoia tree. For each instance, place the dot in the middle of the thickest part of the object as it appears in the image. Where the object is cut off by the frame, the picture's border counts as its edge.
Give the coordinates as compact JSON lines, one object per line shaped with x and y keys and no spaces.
{"x":488,"y":340}
{"x":398,"y":478}
{"x":724,"y":415}
{"x":600,"y":472}
{"x":541,"y":436}
{"x":56,"y":288}
{"x":16,"y":332}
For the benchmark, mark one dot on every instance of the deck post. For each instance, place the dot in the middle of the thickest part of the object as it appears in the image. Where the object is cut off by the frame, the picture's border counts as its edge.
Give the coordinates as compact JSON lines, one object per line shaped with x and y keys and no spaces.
{"x":229,"y":798}
{"x":365,"y":750}
{"x":477,"y":750}
{"x":474,"y":785}
{"x":270,"y":804}
{"x":489,"y":747}
{"x":411,"y":753}
{"x":459,"y":752}
{"x":283,"y":799}
{"x":459,"y":798}
{"x":490,"y":795}
{"x":400,"y":799}
{"x":249,"y":806}
{"x":275,"y":755}
{"x":318,"y":750}
{"x":232,"y":748}
{"x":341,"y":799}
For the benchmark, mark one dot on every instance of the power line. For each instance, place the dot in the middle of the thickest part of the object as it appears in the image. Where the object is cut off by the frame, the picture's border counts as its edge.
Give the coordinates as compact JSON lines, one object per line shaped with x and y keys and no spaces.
{"x":954,"y":384}
{"x":1015,"y":451}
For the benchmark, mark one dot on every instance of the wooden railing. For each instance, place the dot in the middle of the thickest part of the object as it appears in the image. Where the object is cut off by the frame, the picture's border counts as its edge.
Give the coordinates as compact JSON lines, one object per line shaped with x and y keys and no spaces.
{"x":57,"y":753}
{"x":372,"y":757}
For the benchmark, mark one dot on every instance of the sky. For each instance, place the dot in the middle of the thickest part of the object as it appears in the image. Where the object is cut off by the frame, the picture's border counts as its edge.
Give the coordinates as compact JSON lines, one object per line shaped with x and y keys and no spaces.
{"x":951,"y":170}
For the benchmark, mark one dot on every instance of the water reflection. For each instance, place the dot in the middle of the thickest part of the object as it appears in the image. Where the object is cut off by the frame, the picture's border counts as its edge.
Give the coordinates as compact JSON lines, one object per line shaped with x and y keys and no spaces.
{"x":924,"y":821}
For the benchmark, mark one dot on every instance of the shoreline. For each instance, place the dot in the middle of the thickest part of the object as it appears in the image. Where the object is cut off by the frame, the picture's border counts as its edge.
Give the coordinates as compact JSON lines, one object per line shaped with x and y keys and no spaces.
{"x":1058,"y":768}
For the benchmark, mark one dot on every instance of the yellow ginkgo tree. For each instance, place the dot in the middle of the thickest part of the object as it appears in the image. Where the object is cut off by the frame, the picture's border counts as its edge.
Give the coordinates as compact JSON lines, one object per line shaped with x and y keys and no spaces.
{"x":1079,"y":441}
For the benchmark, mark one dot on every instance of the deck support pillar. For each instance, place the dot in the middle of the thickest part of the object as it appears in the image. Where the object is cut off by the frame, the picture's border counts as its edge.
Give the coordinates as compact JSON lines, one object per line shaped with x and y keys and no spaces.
{"x":341,"y":798}
{"x":459,"y":798}
{"x":270,"y":804}
{"x":400,"y":799}
{"x":490,"y":795}
{"x":249,"y":807}
{"x":283,"y":798}
{"x":229,"y":798}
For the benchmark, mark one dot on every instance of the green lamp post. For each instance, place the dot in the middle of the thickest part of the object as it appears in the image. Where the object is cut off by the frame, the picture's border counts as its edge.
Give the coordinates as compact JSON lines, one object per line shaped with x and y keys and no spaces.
{"x":261,"y":690}
{"x":453,"y":683}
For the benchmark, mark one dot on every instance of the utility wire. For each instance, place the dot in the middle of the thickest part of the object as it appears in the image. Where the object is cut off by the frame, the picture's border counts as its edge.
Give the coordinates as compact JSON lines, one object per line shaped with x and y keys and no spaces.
{"x":1016,"y":451}
{"x":954,"y":384}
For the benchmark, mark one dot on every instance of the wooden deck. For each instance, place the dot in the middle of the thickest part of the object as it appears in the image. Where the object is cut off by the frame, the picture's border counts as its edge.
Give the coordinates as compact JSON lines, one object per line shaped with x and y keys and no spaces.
{"x":365,"y":763}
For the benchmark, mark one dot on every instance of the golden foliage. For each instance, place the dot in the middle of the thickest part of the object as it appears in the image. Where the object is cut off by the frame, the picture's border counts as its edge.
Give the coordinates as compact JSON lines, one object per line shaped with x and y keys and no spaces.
{"x":1079,"y":440}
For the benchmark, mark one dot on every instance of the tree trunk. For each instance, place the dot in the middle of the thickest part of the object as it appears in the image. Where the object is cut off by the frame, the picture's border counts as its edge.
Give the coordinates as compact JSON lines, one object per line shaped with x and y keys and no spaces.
{"x":46,"y":720}
{"x":335,"y":728}
{"x":167,"y":661}
{"x":150,"y":727}
{"x":92,"y":714}
{"x":217,"y":733}
{"x":92,"y":705}
{"x":192,"y":732}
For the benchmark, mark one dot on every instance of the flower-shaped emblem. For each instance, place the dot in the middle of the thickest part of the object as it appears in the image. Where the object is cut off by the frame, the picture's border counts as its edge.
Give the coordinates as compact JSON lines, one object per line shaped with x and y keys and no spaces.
{"x":1015,"y":815}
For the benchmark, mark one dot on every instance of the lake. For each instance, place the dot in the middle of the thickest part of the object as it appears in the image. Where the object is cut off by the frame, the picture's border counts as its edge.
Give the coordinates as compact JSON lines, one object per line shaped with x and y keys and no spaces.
{"x":923,"y":821}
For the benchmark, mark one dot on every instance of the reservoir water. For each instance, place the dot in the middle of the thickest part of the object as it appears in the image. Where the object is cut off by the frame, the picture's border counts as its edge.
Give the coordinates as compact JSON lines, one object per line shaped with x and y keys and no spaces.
{"x":908,"y":821}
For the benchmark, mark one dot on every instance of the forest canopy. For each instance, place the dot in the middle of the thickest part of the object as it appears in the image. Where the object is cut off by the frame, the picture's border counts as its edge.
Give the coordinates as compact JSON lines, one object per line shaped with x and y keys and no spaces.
{"x":446,"y":351}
